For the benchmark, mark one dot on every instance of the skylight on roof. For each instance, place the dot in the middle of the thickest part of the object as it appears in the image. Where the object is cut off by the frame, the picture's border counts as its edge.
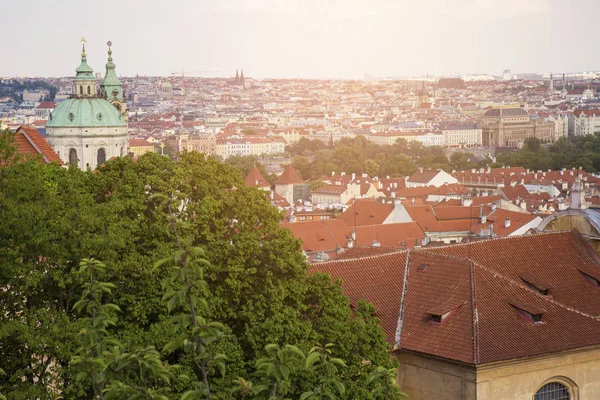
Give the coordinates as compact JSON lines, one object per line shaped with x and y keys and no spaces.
{"x":422,"y":267}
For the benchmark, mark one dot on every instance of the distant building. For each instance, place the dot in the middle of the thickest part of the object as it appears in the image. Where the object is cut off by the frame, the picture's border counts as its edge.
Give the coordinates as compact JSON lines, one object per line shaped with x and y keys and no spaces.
{"x":585,"y":122}
{"x":43,"y":110}
{"x":506,"y":76}
{"x":462,"y":137}
{"x":290,"y":186}
{"x":451,"y":83}
{"x":509,"y":126}
{"x":430,"y":177}
{"x":139,"y":147}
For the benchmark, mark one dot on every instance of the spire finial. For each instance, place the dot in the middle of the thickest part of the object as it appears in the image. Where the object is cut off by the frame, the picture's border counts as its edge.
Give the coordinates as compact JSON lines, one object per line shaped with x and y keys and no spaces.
{"x":109,"y":43}
{"x":83,"y":46}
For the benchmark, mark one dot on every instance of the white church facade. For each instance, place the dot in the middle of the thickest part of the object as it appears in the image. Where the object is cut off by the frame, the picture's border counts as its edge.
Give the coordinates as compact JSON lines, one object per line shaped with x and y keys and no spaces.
{"x":91,"y":126}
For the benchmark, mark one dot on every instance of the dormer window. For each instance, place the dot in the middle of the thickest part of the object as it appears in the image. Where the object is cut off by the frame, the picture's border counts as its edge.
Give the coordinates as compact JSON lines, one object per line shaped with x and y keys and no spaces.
{"x":528,"y":311}
{"x":536,"y":284}
{"x":442,"y":312}
{"x":592,"y":277}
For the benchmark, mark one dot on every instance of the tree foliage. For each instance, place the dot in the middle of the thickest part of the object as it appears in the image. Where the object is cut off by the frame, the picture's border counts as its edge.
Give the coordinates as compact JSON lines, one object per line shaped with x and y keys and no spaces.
{"x":229,"y":266}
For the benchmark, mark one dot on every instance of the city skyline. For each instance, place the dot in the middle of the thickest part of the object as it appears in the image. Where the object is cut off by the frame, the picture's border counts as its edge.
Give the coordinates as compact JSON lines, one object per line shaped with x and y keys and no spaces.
{"x":308,"y":39}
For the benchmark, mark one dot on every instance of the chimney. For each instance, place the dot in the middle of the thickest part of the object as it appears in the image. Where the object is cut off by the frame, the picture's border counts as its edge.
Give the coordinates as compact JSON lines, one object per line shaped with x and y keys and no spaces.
{"x":523,"y":205}
{"x":420,"y":170}
{"x":353,"y":234}
{"x":332,"y":173}
{"x":364,"y":175}
{"x":350,"y":243}
{"x":483,"y":219}
{"x":380,"y":185}
{"x":507,"y":222}
{"x":489,"y":170}
{"x":353,"y":176}
{"x":272,"y":195}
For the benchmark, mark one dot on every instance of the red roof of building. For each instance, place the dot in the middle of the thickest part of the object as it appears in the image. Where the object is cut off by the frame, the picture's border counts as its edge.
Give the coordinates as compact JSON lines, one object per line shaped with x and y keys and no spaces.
{"x":366,"y":212}
{"x":289,"y":176}
{"x":321,"y":236}
{"x":404,"y":235}
{"x":487,"y":292}
{"x":423,"y":177}
{"x":47,"y":105}
{"x":255,"y":178}
{"x":30,"y":143}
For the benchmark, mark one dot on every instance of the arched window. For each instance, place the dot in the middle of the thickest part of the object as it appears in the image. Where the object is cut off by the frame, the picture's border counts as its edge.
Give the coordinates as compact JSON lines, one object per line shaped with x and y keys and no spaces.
{"x":101,"y":157}
{"x":80,"y":89}
{"x":89,"y":90}
{"x":553,"y":391}
{"x":73,"y":157}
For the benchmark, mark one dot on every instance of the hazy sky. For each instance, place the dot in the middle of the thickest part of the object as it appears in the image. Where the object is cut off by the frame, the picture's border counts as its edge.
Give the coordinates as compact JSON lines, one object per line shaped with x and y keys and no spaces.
{"x":301,"y":38}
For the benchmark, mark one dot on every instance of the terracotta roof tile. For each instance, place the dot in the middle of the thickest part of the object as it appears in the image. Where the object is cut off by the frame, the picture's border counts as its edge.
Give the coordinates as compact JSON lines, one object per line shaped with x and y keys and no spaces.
{"x":366,"y":212}
{"x":30,"y":142}
{"x":478,"y":287}
{"x":255,"y":178}
{"x":289,"y":176}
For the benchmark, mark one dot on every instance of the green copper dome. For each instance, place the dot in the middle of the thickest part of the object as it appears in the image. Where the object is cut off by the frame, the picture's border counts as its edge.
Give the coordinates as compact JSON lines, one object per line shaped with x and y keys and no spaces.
{"x":85,"y":112}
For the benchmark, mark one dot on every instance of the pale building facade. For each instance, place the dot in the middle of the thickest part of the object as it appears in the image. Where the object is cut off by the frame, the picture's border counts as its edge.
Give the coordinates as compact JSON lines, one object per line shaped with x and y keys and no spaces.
{"x":91,"y":126}
{"x":462,"y":138}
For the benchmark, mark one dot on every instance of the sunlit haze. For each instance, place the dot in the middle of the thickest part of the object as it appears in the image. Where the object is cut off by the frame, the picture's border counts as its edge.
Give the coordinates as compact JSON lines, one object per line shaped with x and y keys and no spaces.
{"x":302,"y":38}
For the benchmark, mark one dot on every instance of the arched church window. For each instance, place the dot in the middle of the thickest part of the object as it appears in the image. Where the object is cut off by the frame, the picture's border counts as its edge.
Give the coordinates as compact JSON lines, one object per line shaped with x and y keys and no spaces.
{"x":89,"y":90}
{"x":553,"y":391}
{"x":80,"y":89}
{"x":101,"y":159}
{"x":73,"y":157}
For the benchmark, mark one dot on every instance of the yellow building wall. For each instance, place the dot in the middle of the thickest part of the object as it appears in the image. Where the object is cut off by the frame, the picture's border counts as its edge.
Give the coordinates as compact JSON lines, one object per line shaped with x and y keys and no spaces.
{"x":428,"y":378}
{"x":568,"y":222}
{"x":521,"y":380}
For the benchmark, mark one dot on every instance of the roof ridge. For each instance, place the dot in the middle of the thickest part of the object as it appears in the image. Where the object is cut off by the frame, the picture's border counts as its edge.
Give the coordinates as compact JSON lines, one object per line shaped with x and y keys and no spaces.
{"x":367,"y":257}
{"x":475,"y":314}
{"x":504,"y":238}
{"x":400,"y":323}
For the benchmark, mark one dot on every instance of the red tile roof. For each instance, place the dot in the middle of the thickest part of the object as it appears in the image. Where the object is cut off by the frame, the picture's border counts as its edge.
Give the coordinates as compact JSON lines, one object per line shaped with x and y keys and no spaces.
{"x":366,"y":212}
{"x":324,"y":235}
{"x":423,"y":177}
{"x":404,"y":235}
{"x":483,"y":284}
{"x":289,"y":176}
{"x":255,"y":178}
{"x":47,"y":105}
{"x":29,"y":142}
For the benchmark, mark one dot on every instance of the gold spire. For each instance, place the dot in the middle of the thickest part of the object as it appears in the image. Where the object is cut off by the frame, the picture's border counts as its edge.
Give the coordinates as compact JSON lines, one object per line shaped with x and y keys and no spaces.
{"x":109,"y":43}
{"x":83,"y":46}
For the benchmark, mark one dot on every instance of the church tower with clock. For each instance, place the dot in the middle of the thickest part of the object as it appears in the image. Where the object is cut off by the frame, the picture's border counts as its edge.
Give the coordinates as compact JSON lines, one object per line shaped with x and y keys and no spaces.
{"x":91,"y":126}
